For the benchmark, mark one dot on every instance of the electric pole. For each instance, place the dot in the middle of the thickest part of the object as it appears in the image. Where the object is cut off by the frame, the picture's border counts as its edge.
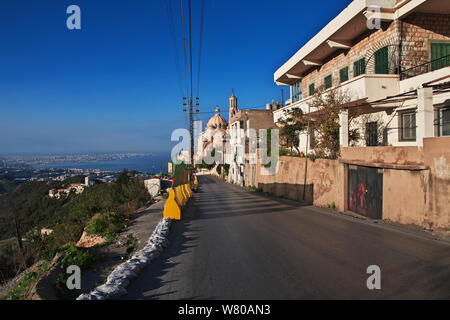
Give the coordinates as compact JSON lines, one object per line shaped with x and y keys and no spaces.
{"x":188,"y":107}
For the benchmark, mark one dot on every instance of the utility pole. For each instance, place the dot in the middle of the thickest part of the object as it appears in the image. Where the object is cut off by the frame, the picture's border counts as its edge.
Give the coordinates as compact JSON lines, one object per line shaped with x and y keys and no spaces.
{"x":188,"y":107}
{"x":306,"y":155}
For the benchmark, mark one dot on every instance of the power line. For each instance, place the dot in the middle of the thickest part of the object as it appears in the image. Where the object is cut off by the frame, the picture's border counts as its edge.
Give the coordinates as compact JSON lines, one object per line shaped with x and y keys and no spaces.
{"x":241,"y":109}
{"x":191,"y":117}
{"x":174,"y":40}
{"x":184,"y":45}
{"x":200,"y":46}
{"x":190,"y":45}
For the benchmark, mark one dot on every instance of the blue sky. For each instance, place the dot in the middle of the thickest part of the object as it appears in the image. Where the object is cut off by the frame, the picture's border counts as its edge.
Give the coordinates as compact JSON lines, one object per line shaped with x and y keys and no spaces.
{"x":113,"y":85}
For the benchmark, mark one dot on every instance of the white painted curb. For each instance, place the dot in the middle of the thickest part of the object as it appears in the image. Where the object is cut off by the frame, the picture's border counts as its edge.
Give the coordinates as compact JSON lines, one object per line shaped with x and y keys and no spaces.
{"x":121,"y":276}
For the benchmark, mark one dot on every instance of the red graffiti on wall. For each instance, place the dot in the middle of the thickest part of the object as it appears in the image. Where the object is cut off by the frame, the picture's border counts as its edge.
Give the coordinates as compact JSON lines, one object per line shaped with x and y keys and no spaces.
{"x":358,"y":199}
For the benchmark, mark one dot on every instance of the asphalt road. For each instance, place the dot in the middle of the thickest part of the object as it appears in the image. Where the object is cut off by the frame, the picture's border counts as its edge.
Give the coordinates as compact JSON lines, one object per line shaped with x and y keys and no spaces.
{"x":236,"y":244}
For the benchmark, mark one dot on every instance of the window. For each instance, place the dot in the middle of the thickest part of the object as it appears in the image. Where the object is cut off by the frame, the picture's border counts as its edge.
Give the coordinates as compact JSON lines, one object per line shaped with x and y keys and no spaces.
{"x":311,"y":89}
{"x":444,"y":121}
{"x":328,"y":82}
{"x":382,"y":61}
{"x":372,"y":134}
{"x":297,"y":92}
{"x":343,"y":74}
{"x":359,"y":67}
{"x":438,"y":53}
{"x":408,"y":126}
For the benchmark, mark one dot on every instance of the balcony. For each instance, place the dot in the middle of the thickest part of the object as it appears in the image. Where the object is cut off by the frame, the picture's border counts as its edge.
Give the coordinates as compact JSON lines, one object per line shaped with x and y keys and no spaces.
{"x":368,"y":87}
{"x":372,"y":87}
{"x":428,"y":67}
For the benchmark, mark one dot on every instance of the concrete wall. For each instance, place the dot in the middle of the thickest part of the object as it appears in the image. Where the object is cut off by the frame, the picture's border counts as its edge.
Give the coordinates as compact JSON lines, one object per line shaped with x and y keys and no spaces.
{"x":391,"y":155}
{"x":437,"y":158}
{"x":324,"y":183}
{"x":416,"y":180}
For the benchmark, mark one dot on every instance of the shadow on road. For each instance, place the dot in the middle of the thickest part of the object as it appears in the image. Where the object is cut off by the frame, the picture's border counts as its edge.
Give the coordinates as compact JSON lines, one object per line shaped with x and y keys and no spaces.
{"x":180,"y":242}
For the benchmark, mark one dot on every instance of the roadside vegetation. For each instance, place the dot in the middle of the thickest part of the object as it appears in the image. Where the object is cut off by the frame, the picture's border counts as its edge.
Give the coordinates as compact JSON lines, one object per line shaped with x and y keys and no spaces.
{"x":322,"y":128}
{"x":103,"y":209}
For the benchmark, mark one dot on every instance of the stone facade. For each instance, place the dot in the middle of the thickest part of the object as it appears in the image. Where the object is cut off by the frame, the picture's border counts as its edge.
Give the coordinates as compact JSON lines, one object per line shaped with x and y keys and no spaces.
{"x":410,"y":39}
{"x":419,"y":31}
{"x":364,"y":47}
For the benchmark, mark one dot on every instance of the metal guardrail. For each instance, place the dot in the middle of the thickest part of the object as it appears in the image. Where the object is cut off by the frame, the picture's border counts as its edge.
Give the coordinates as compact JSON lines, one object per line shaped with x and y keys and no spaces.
{"x":426,"y":67}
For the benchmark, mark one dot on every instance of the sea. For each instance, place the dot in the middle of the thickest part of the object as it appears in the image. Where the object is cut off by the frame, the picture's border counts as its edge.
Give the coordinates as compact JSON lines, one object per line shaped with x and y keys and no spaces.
{"x":145,"y":164}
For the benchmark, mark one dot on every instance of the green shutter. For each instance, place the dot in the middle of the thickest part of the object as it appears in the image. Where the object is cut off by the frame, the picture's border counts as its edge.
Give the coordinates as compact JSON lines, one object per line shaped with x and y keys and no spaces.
{"x":343,"y":74}
{"x":311,"y":89}
{"x":328,"y":82}
{"x":439,"y":51}
{"x":359,"y":67}
{"x":382,"y":61}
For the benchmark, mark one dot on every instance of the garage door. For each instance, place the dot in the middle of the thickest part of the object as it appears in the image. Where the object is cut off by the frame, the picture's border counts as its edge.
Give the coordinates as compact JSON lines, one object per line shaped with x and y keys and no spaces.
{"x":365,"y":191}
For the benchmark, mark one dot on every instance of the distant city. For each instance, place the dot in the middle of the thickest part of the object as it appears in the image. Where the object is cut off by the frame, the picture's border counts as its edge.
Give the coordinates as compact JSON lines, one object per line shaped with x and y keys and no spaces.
{"x":30,"y":161}
{"x":60,"y":167}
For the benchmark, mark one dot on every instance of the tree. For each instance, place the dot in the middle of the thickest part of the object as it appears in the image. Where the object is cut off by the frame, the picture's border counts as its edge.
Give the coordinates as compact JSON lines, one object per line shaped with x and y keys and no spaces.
{"x":326,"y":106}
{"x":291,"y":126}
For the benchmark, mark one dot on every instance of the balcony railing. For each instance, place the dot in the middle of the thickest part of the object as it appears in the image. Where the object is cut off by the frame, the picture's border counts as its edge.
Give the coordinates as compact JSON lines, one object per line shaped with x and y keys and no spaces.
{"x":426,"y":67}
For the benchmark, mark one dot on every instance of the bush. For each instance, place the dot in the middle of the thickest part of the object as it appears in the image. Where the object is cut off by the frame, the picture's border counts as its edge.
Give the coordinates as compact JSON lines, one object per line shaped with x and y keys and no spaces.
{"x":108,"y":224}
{"x":64,"y":233}
{"x":77,"y":257}
{"x":288,"y":153}
{"x":19,"y":292}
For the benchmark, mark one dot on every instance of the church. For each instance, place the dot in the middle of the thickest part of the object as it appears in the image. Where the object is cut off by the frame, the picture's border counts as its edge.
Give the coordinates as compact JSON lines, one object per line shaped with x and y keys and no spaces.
{"x":215,"y":133}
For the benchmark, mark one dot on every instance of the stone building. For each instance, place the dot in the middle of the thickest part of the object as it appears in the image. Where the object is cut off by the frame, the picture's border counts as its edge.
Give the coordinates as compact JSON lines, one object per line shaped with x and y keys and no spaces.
{"x":242,"y":155}
{"x":392,"y":58}
{"x":396,"y":73}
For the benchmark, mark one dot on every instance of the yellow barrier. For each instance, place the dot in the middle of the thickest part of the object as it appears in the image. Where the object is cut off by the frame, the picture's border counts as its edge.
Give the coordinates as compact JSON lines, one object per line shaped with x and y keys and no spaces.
{"x":186,"y":191}
{"x":185,"y":196}
{"x":188,"y":187}
{"x":180,"y":196}
{"x":172,"y":208}
{"x":195,"y":181}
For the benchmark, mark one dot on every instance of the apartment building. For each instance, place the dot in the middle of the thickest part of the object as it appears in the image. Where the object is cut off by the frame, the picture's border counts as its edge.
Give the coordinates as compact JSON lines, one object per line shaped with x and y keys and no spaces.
{"x":242,"y":155}
{"x":392,"y":58}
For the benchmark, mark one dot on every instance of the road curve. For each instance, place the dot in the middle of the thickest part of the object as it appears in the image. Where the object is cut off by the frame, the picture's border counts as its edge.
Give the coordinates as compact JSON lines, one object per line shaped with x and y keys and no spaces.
{"x":236,"y":244}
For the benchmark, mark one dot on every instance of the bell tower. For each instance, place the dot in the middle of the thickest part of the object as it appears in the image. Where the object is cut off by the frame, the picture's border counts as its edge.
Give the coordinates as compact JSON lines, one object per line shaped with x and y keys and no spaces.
{"x":233,"y":107}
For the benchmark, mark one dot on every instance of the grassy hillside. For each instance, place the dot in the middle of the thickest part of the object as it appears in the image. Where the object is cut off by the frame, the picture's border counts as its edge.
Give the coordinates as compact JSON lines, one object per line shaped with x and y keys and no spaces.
{"x":67,"y":217}
{"x":29,"y":202}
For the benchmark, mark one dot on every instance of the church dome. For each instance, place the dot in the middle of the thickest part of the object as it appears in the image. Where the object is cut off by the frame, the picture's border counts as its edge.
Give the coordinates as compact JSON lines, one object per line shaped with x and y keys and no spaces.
{"x":217,"y":121}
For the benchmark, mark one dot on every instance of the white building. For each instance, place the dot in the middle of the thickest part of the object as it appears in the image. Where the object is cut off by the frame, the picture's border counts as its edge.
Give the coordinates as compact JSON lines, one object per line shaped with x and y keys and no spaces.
{"x":393,"y":59}
{"x":212,"y":138}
